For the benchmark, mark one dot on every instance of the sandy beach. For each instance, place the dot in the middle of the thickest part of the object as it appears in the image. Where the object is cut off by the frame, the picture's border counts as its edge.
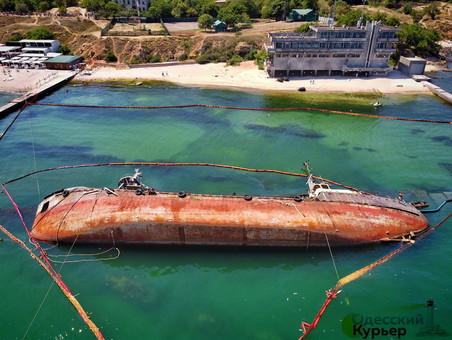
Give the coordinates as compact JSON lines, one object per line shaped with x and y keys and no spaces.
{"x":246,"y":76}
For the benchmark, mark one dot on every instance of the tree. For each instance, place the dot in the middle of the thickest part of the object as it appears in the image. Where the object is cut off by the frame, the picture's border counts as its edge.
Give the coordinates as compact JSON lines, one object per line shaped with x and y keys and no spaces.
{"x":21,"y":7}
{"x":40,"y":33}
{"x":379,"y":16}
{"x":308,"y":4}
{"x":390,"y":3}
{"x":432,"y":10}
{"x":205,"y":21}
{"x":407,"y":8}
{"x":6,"y":5}
{"x":304,"y":28}
{"x":229,"y":18}
{"x":393,"y":21}
{"x":64,"y":49}
{"x":417,"y":16}
{"x":422,"y":41}
{"x":162,"y":7}
{"x":152,"y":13}
{"x":93,"y":5}
{"x":180,"y":10}
{"x":43,"y":6}
{"x":112,"y":9}
{"x":274,"y":9}
{"x":210,"y":8}
{"x":351,"y":18}
{"x":342,"y":8}
{"x":250,"y":6}
{"x":16,"y":37}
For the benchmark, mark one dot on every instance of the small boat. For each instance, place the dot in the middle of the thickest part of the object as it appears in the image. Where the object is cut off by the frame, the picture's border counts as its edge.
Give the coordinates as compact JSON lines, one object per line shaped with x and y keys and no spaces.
{"x":133,"y":213}
{"x":377,"y":104}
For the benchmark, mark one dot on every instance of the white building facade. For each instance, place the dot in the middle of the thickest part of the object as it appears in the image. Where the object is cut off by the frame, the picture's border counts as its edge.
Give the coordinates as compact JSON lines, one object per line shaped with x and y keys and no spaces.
{"x":139,"y":5}
{"x":330,"y":51}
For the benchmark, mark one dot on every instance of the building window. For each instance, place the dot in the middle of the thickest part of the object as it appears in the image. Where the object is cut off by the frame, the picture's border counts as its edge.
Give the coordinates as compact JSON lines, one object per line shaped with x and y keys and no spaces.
{"x":338,"y":55}
{"x":387,"y":35}
{"x":354,"y":55}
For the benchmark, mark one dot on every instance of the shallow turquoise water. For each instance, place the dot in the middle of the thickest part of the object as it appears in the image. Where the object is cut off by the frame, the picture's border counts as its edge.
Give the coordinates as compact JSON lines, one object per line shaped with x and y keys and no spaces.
{"x":6,"y":97}
{"x":222,"y":293}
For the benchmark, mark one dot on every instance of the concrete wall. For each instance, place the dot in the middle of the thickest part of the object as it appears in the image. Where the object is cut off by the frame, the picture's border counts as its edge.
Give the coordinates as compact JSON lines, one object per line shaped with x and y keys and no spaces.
{"x":412,"y":66}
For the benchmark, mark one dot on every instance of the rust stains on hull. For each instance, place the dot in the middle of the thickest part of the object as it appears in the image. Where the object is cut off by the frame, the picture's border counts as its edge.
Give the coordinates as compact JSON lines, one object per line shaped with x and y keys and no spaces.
{"x":122,"y":216}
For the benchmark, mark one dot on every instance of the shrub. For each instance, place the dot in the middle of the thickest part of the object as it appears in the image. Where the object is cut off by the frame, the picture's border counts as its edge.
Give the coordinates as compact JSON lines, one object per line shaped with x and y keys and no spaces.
{"x":110,"y":57}
{"x":235,"y":60}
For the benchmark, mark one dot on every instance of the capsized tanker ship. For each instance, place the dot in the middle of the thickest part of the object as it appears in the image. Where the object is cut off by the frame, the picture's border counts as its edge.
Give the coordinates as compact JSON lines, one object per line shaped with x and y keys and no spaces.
{"x":136,"y":214}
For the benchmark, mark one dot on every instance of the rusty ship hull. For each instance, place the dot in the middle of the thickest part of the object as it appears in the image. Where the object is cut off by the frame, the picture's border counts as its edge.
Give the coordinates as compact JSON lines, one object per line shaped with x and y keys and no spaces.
{"x":91,"y":215}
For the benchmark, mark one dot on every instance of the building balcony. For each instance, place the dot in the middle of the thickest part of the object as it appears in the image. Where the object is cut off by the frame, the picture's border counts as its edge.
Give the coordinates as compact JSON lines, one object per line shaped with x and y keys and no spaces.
{"x":385,"y":50}
{"x":393,"y":40}
{"x":342,"y":39}
{"x":269,"y":49}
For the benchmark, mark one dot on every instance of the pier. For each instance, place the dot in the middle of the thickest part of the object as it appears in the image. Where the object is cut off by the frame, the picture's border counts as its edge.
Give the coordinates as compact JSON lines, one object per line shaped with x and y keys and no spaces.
{"x":33,"y":85}
{"x":438,"y":91}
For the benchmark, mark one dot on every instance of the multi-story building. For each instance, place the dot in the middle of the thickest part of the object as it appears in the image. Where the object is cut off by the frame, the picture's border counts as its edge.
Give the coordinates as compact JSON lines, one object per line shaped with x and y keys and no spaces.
{"x":139,"y":5}
{"x":331,"y":51}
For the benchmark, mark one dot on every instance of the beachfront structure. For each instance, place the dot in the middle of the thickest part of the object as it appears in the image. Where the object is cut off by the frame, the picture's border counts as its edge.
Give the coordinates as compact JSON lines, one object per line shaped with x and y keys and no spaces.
{"x":412,"y":66}
{"x":63,"y":62}
{"x":303,"y":15}
{"x":139,"y":5}
{"x":42,"y":47}
{"x":332,"y":50}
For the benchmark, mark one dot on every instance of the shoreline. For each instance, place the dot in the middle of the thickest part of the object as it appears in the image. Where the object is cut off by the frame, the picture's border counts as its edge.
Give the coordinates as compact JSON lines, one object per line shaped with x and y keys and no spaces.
{"x":247,"y":77}
{"x":244,"y":77}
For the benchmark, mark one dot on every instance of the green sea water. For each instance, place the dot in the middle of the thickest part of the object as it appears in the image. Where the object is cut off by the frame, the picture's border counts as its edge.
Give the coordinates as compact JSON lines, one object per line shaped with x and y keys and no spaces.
{"x":224,"y":293}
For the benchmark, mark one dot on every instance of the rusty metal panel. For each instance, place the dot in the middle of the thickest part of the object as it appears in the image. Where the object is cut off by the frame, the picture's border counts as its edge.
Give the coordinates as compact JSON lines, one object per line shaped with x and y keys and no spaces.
{"x":93,"y":215}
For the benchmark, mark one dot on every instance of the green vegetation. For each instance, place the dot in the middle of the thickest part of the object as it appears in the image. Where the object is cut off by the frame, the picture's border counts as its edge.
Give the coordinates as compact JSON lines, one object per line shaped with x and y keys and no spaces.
{"x":351,"y":18}
{"x":422,"y":41}
{"x":304,"y":28}
{"x":232,"y":51}
{"x":205,"y":21}
{"x":27,"y":6}
{"x":64,"y":49}
{"x":41,"y":32}
{"x":110,"y":57}
{"x":413,"y":37}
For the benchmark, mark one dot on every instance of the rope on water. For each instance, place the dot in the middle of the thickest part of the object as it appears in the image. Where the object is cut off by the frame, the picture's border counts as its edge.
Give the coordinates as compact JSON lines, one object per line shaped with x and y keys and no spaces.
{"x":12,"y":122}
{"x":118,"y":253}
{"x":332,"y":293}
{"x":45,"y":263}
{"x":26,"y":103}
{"x":245,"y":108}
{"x":60,"y":284}
{"x":181,"y":164}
